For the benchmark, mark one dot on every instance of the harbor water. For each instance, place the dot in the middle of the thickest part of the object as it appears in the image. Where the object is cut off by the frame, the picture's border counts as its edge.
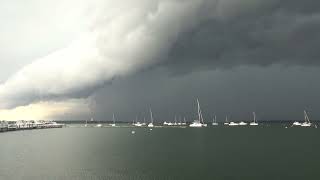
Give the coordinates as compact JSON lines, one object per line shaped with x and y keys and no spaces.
{"x":78,"y":153}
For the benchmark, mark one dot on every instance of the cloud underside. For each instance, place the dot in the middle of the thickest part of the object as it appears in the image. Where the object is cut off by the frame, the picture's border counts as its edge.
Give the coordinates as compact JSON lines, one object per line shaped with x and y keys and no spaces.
{"x":182,"y":36}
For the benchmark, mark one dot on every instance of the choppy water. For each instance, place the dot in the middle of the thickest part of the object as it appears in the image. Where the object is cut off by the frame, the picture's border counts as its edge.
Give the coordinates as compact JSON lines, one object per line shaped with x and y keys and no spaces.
{"x":164,"y":153}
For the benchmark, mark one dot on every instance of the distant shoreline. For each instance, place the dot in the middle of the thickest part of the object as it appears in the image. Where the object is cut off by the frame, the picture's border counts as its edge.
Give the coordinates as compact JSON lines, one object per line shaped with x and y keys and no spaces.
{"x":160,"y":122}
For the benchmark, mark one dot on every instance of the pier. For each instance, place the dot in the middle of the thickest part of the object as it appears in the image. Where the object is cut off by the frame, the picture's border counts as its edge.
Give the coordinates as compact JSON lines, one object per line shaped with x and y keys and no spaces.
{"x":27,"y":125}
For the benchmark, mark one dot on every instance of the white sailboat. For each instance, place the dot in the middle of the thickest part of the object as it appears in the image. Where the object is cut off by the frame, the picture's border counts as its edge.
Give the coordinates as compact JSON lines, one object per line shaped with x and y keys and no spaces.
{"x":144,"y":122}
{"x":199,"y":122}
{"x":179,"y":123}
{"x":306,"y":122}
{"x":175,"y":121}
{"x":114,"y":121}
{"x":98,"y":125}
{"x":151,"y":118}
{"x":214,"y":121}
{"x":137,"y":123}
{"x":254,"y":123}
{"x":226,"y":122}
{"x":233,"y":124}
{"x":86,"y":123}
{"x":242,"y":123}
{"x":296,"y":123}
{"x":184,"y":122}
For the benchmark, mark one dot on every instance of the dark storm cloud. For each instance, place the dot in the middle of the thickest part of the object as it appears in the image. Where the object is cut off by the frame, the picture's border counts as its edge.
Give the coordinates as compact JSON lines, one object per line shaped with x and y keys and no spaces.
{"x":277,"y":32}
{"x":216,"y":59}
{"x":273,"y":92}
{"x":178,"y":36}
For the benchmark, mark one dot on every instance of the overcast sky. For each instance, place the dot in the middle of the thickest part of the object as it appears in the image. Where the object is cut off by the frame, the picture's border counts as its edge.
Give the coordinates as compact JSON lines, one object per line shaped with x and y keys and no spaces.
{"x":77,"y":59}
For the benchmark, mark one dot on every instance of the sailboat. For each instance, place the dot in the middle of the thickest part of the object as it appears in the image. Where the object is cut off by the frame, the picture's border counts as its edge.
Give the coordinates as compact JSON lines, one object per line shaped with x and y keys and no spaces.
{"x":175,"y":121}
{"x":114,"y":121}
{"x":199,"y":121}
{"x":137,"y":123}
{"x":226,"y":122}
{"x":184,"y":122}
{"x":98,"y":125}
{"x":144,"y":122}
{"x":296,"y":123}
{"x":242,"y":123}
{"x":179,"y":123}
{"x":233,"y":124}
{"x":254,"y":123}
{"x":165,"y":123}
{"x":86,"y":123}
{"x":307,"y":122}
{"x":151,"y":118}
{"x":214,"y":121}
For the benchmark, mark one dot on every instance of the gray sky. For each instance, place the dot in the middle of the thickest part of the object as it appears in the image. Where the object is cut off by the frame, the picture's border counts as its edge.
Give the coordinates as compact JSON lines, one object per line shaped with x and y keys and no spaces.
{"x":236,"y":56}
{"x":274,"y":92}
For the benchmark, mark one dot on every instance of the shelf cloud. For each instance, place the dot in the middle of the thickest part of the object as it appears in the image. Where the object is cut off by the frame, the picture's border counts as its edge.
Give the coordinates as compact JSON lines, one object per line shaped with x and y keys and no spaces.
{"x":124,"y":37}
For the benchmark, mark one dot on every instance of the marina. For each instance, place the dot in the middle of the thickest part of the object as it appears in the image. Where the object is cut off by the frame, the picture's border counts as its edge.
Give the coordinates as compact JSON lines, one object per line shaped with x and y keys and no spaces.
{"x":28,"y":125}
{"x":198,"y":123}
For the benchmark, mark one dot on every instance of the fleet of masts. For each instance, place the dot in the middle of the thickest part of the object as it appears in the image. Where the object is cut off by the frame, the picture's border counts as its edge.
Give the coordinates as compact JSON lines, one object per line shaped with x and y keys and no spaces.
{"x":199,"y":121}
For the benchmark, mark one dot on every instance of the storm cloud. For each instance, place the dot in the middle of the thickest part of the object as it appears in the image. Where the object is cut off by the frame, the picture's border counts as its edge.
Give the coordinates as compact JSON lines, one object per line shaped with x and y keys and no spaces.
{"x":255,"y":32}
{"x":182,"y":36}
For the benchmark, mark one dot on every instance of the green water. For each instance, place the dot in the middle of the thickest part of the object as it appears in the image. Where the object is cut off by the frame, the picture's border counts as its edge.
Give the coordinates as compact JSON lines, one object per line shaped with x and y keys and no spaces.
{"x":163,"y":153}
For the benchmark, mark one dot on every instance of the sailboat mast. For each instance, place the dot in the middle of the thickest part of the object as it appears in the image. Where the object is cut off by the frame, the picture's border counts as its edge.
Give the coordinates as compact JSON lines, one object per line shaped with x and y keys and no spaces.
{"x":306,"y":118}
{"x":151,"y":116}
{"x":114,"y":121}
{"x":254,"y":117}
{"x":199,"y":110}
{"x":201,"y":117}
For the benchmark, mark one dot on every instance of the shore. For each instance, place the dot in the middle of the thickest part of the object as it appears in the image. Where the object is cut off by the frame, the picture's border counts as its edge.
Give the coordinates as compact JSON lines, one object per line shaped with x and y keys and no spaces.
{"x":6,"y":126}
